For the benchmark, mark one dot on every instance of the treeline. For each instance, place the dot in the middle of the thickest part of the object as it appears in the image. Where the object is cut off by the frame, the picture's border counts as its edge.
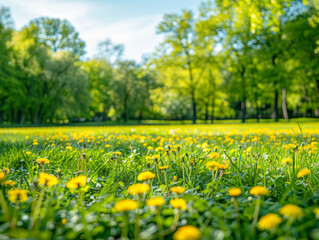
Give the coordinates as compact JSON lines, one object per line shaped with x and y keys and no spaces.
{"x":233,"y":59}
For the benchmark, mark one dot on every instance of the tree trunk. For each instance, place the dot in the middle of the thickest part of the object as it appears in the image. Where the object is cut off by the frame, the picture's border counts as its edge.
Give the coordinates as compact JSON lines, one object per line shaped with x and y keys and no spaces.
{"x":194,"y":108}
{"x":22,"y":118}
{"x":213,"y":110}
{"x":140,"y":116}
{"x":243,"y":102}
{"x":124,"y":116}
{"x":193,"y":87}
{"x":125,"y":109}
{"x":36,"y":116}
{"x":276,"y":106}
{"x":257,"y":109}
{"x":213,"y":96}
{"x":30,"y":115}
{"x":3,"y":102}
{"x":206,"y":112}
{"x":284,"y":104}
{"x":274,"y":57}
{"x":243,"y":110}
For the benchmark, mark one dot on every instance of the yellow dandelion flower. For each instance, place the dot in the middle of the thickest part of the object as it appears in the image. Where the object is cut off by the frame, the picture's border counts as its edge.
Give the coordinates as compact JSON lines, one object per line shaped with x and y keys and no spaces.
{"x":179,"y":190}
{"x":6,"y":170}
{"x":187,"y":232}
{"x":125,"y":205}
{"x":156,"y":156}
{"x":159,"y":149}
{"x":148,"y":158}
{"x":269,"y":221}
{"x":28,"y":153}
{"x":303,"y":172}
{"x":316,"y":212}
{"x":212,"y":165}
{"x":235,"y":192}
{"x":259,"y":191}
{"x":64,"y":221}
{"x":47,"y":179}
{"x":76,"y":182}
{"x":117,"y":153}
{"x":107,"y":145}
{"x":42,"y":160}
{"x":291,"y":211}
{"x":138,"y":188}
{"x":2,"y":176}
{"x":287,"y":160}
{"x":163,"y":167}
{"x":68,"y":147}
{"x":213,"y":155}
{"x":18,"y":195}
{"x":178,"y":203}
{"x":9,"y":183}
{"x":157,"y":201}
{"x":145,"y":176}
{"x":223,"y":166}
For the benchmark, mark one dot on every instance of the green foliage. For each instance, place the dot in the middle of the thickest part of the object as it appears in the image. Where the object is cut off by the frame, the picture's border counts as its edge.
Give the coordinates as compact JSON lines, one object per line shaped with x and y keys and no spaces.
{"x":231,"y":59}
{"x":58,"y":35}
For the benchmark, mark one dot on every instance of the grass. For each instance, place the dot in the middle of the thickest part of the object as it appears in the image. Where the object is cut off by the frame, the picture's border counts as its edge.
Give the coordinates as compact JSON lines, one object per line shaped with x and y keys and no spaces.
{"x":157,"y":122}
{"x":206,"y":161}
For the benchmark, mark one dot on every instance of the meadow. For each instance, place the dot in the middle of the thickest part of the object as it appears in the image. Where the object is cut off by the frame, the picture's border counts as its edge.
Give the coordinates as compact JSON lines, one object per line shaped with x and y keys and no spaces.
{"x":221,"y":181}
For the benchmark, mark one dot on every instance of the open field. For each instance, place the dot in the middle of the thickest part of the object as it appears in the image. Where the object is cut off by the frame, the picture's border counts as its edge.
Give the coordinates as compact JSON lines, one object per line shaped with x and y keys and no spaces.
{"x":222,"y":181}
{"x":157,"y":122}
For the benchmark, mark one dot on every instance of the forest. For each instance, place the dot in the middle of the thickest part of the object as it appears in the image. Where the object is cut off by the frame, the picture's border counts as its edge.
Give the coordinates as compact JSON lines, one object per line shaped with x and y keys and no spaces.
{"x":229,"y":60}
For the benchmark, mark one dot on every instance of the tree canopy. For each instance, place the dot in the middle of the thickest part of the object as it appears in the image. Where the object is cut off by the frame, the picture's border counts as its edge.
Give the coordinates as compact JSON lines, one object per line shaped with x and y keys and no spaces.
{"x":230,"y":59}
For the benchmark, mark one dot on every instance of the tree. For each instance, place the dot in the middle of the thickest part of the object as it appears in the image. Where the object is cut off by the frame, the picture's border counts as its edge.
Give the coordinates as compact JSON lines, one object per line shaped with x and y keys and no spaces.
{"x":47,"y":77}
{"x":123,"y":85}
{"x":178,"y":49}
{"x":57,"y":34}
{"x":9,"y":86}
{"x":110,"y":52}
{"x":100,"y":74}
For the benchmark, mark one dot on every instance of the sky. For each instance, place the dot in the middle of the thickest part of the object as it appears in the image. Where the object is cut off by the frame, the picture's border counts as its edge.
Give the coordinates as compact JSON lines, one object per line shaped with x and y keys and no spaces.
{"x":129,"y":22}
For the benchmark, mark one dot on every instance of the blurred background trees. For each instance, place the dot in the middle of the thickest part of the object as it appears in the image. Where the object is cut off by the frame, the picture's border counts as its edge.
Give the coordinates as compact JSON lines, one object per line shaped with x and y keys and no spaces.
{"x":233,"y":59}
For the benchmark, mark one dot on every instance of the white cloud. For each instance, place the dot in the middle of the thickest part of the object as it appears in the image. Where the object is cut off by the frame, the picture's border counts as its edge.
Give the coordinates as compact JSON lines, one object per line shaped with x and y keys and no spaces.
{"x":137,"y":34}
{"x":73,"y":11}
